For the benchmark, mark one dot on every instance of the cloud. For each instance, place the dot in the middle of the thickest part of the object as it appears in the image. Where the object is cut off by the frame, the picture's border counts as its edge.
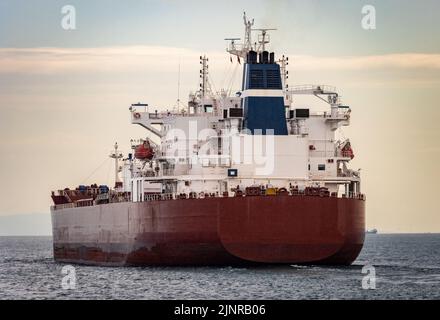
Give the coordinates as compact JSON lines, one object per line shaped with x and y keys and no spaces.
{"x":156,"y":58}
{"x":394,"y":61}
{"x":78,"y":60}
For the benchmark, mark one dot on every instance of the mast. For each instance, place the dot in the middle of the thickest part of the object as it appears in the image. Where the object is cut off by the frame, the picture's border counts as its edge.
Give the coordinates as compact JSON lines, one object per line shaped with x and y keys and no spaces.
{"x":241,"y":49}
{"x":115,"y":155}
{"x":284,"y":62}
{"x":248,"y":32}
{"x":178,"y":88}
{"x":204,"y":86}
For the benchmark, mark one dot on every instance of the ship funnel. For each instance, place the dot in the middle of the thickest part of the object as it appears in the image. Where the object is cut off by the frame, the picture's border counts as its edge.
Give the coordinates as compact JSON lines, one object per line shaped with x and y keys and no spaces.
{"x":265,"y":56}
{"x":262,"y":95}
{"x":272,"y":58}
{"x":252,"y":57}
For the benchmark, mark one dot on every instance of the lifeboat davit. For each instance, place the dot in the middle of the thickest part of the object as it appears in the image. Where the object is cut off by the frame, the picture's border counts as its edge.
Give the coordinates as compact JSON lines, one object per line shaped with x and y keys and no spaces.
{"x":144,"y":151}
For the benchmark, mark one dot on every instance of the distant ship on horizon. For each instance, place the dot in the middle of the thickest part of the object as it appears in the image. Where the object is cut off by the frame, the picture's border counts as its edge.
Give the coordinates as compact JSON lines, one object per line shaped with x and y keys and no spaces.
{"x":371,"y":231}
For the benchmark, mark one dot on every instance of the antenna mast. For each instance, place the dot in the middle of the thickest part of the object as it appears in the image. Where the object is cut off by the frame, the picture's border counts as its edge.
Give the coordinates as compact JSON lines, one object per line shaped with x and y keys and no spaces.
{"x":241,"y":50}
{"x":204,"y":84}
{"x":178,"y":87}
{"x":248,"y":32}
{"x":115,"y":155}
{"x":284,"y":62}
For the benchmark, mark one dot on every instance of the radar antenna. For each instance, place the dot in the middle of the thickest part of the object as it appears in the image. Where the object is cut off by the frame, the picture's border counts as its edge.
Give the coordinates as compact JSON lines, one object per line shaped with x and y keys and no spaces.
{"x":263,"y":38}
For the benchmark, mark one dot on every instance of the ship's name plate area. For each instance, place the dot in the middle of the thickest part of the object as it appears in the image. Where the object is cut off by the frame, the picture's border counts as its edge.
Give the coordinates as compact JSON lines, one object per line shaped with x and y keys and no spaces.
{"x":221,"y":310}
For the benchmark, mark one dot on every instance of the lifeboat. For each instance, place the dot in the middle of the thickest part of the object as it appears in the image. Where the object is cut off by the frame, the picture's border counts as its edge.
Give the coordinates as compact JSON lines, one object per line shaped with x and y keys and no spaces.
{"x":347,"y":151}
{"x":144,"y":151}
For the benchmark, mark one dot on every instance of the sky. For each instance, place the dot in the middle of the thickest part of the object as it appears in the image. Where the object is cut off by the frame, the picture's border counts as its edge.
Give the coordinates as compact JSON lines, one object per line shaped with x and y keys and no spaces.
{"x":64,"y":94}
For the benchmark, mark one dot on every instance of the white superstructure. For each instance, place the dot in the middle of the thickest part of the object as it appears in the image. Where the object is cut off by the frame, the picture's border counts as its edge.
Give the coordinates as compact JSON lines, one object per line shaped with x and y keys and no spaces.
{"x":206,"y":149}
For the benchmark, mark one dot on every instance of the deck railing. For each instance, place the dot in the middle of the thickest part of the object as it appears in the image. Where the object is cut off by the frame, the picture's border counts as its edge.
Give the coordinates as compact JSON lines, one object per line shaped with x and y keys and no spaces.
{"x":194,"y":195}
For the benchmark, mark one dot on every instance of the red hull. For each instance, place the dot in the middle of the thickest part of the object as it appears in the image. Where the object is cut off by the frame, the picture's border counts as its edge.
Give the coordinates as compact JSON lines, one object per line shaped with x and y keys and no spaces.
{"x":212,"y":231}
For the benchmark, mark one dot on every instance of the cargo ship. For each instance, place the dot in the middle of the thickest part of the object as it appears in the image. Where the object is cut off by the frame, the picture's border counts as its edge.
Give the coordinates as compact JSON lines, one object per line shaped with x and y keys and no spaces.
{"x":226,"y":179}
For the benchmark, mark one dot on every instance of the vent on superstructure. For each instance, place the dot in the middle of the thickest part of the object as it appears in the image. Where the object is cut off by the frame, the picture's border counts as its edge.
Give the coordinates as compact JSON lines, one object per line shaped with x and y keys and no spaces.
{"x":291,"y":114}
{"x":273,"y":79}
{"x":302,"y":113}
{"x":236,"y":113}
{"x":256,"y":79}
